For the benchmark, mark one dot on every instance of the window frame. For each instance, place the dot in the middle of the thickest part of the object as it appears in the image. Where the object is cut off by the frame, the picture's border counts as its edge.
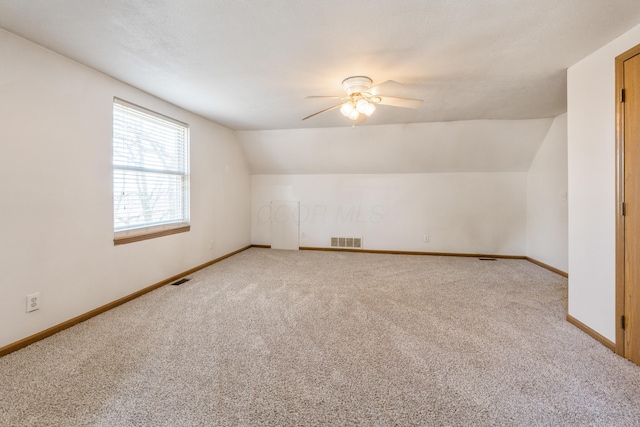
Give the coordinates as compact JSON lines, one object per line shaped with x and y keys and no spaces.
{"x":151,"y":231}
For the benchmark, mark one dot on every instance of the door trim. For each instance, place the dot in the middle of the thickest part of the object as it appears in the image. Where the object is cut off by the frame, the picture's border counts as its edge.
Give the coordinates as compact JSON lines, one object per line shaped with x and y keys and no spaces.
{"x":620,"y":244}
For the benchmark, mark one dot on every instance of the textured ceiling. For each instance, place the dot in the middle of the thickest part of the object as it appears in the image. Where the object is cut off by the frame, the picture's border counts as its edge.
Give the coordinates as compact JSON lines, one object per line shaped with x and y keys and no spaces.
{"x":249,"y":64}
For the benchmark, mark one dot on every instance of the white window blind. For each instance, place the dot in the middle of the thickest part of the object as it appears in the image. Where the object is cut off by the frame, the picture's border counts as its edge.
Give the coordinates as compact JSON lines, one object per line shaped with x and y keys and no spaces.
{"x":150,"y":169}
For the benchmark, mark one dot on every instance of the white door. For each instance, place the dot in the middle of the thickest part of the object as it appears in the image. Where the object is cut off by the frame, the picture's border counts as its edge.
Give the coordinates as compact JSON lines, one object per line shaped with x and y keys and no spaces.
{"x":285,"y":225}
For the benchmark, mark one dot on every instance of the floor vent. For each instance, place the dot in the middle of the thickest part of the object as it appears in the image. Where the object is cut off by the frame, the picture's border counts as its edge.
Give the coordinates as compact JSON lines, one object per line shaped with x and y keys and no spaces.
{"x":180,"y":282}
{"x":487,"y":259}
{"x":346,"y":242}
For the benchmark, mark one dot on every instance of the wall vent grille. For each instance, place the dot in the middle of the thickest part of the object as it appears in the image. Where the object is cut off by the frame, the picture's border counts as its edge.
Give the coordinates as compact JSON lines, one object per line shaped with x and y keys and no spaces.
{"x":346,"y":242}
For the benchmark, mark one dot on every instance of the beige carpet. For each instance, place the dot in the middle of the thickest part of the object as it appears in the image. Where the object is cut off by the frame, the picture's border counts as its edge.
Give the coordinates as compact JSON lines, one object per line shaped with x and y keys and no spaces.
{"x":324,"y":338}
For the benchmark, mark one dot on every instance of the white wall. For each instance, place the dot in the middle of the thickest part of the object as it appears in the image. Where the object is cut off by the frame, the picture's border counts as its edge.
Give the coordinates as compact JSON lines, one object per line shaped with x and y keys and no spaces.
{"x":461,"y":212}
{"x":592,"y":210}
{"x":547,"y":216}
{"x":462,"y":183}
{"x":56,"y":232}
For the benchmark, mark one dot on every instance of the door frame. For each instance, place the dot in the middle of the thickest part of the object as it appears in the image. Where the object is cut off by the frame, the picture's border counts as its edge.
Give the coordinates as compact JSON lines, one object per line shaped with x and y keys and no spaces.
{"x":620,"y":219}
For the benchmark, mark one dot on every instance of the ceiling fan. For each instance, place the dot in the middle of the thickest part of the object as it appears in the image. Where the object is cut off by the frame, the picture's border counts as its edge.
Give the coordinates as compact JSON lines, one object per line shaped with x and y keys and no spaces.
{"x":362,"y":98}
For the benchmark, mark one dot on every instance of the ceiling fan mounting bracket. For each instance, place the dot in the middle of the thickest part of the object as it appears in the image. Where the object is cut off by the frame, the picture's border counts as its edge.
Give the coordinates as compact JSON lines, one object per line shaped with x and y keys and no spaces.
{"x":356,"y":84}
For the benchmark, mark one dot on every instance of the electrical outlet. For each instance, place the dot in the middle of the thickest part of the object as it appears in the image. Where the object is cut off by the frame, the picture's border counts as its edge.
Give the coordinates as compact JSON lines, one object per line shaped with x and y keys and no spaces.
{"x":33,"y":302}
{"x":210,"y":244}
{"x":303,"y":235}
{"x":426,"y":238}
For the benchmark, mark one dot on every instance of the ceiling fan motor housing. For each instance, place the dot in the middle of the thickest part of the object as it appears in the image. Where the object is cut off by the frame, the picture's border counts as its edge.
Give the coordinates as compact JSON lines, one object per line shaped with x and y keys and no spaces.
{"x":356,"y":84}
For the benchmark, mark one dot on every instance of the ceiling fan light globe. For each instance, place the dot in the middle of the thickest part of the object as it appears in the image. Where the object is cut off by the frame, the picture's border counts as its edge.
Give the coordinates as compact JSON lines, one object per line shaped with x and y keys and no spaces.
{"x":347,"y":109}
{"x":361,"y":105}
{"x":354,"y":115}
{"x":370,"y":109}
{"x":365,"y":107}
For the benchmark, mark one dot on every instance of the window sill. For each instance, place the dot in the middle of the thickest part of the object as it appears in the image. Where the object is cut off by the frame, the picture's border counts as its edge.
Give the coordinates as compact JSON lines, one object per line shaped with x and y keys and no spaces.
{"x":131,"y":236}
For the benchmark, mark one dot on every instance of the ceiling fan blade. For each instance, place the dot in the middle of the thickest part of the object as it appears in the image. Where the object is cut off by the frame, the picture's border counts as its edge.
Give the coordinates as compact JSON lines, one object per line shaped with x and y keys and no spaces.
{"x":400,"y":102}
{"x":389,"y":86}
{"x":325,"y":110}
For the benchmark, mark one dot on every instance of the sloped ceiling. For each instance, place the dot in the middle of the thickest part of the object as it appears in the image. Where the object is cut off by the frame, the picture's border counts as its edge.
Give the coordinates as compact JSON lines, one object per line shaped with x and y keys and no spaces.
{"x":449,"y":147}
{"x":249,"y":64}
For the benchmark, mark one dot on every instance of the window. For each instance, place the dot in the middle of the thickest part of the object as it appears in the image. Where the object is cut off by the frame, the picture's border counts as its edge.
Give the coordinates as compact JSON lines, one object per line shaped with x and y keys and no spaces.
{"x":150,"y":174}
